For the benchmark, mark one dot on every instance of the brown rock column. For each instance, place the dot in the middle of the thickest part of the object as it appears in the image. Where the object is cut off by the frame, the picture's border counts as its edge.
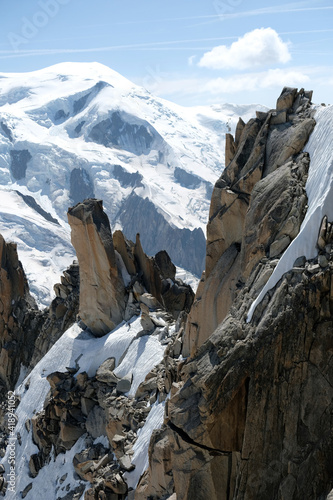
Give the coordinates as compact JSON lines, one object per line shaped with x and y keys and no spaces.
{"x":102,"y":290}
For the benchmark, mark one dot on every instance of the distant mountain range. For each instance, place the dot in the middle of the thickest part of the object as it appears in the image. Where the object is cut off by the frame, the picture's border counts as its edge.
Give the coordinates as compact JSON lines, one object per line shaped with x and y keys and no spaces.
{"x":79,"y":130}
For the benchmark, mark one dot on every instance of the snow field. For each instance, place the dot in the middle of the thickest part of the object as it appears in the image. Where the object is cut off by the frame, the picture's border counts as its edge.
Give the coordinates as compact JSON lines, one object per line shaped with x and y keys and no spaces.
{"x":139,"y":356}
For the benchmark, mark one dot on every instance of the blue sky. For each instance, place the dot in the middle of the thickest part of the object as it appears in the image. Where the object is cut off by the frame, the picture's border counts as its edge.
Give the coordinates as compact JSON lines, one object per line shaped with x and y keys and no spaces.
{"x":188,"y":51}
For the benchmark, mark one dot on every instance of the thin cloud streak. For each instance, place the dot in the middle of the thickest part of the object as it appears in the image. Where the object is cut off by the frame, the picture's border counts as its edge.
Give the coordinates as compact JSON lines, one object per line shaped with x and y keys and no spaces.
{"x":259,"y":12}
{"x":45,"y":52}
{"x":153,"y":46}
{"x":292,"y":7}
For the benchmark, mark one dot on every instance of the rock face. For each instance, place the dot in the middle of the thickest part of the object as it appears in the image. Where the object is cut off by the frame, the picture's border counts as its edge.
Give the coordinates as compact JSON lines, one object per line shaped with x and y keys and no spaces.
{"x":155,"y":275}
{"x":81,"y":185}
{"x":248,"y":407}
{"x":250,"y":417}
{"x":257,"y":207}
{"x":17,"y":307}
{"x":94,"y":406}
{"x":102,"y":289}
{"x":244,"y":418}
{"x":26,"y":333}
{"x":99,"y":405}
{"x":103,"y":297}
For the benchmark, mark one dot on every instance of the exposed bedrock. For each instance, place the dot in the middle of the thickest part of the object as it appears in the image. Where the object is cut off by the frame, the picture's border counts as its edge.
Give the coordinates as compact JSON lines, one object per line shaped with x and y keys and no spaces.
{"x":254,"y":414}
{"x":81,"y":185}
{"x":125,"y":131}
{"x":19,"y":160}
{"x":251,"y":417}
{"x":26,"y":333}
{"x":102,"y":289}
{"x":101,"y":256}
{"x":257,"y":207}
{"x":16,"y":310}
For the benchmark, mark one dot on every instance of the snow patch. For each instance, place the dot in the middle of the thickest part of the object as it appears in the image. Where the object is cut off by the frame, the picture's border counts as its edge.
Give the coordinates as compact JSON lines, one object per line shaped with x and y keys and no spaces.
{"x":137,"y":356}
{"x":140,"y":448}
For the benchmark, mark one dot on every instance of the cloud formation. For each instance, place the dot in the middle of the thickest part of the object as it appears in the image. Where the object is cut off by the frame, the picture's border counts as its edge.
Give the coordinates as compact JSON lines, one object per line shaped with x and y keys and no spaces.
{"x":249,"y":82}
{"x":240,"y":83}
{"x":260,"y":47}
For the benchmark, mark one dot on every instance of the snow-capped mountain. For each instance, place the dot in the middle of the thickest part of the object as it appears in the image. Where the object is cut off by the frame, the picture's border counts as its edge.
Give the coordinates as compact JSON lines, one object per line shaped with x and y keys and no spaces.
{"x":78,"y":130}
{"x":243,"y":362}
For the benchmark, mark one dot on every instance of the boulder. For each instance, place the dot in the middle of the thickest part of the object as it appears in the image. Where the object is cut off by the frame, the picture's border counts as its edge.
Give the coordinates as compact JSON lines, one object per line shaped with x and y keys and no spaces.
{"x":96,"y":422}
{"x":286,"y":99}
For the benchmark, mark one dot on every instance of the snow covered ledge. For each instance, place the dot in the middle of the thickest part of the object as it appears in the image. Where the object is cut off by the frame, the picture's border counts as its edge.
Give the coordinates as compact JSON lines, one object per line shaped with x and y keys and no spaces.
{"x":319,"y":188}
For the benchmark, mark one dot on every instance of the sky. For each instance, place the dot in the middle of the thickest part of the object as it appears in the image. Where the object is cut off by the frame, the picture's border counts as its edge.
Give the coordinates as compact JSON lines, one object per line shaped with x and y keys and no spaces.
{"x":192,"y":52}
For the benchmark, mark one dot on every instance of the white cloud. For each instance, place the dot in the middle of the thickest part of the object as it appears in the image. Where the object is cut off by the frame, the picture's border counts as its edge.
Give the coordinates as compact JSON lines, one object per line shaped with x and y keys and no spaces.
{"x":249,"y":82}
{"x":246,"y":82}
{"x":259,"y":47}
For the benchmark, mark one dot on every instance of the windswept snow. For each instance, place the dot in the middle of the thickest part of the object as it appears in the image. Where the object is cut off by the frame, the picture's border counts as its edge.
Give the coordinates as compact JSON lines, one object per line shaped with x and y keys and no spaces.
{"x":144,"y":352}
{"x":319,"y":188}
{"x":44,"y":247}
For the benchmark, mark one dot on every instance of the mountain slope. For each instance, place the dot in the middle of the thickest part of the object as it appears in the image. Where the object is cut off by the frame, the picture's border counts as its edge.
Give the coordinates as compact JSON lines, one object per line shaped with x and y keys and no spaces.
{"x":223,"y":405}
{"x":78,"y":130}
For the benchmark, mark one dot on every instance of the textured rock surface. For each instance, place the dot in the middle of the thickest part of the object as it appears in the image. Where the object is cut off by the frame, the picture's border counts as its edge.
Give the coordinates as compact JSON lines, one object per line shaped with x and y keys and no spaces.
{"x":18,"y":330}
{"x":249,"y":396}
{"x":102,"y":290}
{"x":257,"y":207}
{"x":185,"y":247}
{"x":250,"y":416}
{"x":95,"y":406}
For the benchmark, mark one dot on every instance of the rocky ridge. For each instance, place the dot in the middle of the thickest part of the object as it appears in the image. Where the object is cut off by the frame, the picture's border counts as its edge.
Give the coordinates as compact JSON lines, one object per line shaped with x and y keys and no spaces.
{"x":248,"y":404}
{"x":243,"y":414}
{"x":257,"y":206}
{"x":113,"y":281}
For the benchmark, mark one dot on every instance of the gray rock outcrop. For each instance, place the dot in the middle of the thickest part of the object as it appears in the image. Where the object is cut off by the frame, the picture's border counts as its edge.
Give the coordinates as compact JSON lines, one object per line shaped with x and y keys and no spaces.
{"x":186,"y":247}
{"x":250,"y":416}
{"x":18,"y":329}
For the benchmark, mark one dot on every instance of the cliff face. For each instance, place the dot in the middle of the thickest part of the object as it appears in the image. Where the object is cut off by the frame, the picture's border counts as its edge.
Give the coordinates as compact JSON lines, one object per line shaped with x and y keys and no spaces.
{"x":102,"y":289}
{"x":246,"y":398}
{"x":16,"y":308}
{"x":128,"y":372}
{"x":257,"y":207}
{"x":251,"y":417}
{"x":26,"y":333}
